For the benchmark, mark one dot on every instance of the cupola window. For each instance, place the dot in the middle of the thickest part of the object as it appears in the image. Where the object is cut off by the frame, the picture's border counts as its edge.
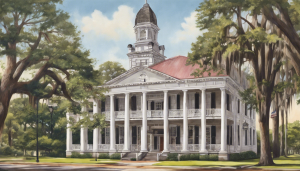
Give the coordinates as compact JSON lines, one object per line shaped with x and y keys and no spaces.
{"x":143,"y":35}
{"x":143,"y":77}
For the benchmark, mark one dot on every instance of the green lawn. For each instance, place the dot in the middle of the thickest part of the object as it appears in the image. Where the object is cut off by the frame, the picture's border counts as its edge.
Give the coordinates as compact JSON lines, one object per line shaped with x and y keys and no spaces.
{"x":59,"y":160}
{"x":292,"y":162}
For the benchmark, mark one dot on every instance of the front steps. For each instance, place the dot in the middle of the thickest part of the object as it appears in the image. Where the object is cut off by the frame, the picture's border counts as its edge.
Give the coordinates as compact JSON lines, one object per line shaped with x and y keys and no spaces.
{"x":129,"y":156}
{"x":151,"y":156}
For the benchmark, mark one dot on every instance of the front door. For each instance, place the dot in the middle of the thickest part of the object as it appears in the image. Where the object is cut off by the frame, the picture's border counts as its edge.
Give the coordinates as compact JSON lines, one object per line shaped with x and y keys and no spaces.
{"x":161,"y":143}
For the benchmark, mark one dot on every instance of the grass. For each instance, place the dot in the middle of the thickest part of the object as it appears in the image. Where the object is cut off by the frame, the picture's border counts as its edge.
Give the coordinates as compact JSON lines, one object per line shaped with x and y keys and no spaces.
{"x":59,"y":160}
{"x":291,"y":162}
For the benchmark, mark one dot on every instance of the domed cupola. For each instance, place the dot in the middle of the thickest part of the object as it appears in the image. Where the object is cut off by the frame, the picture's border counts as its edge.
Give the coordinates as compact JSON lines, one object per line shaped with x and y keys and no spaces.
{"x":146,"y":51}
{"x":146,"y":14}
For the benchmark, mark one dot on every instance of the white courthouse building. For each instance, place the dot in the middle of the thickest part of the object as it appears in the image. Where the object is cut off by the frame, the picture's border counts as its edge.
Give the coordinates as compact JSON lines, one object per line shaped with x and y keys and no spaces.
{"x":158,"y":107}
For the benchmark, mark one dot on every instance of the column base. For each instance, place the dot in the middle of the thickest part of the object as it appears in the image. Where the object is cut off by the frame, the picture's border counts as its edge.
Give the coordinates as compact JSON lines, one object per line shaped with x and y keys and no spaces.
{"x":126,"y":151}
{"x":223,"y":156}
{"x":144,"y":151}
{"x":185,"y":151}
{"x":203,"y":152}
{"x":165,"y":152}
{"x":68,"y":153}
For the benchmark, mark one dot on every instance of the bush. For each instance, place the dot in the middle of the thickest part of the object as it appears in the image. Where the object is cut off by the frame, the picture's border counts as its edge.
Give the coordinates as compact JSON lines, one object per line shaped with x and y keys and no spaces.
{"x":194,"y":156}
{"x":204,"y":157}
{"x":103,"y":156}
{"x":115,"y":156}
{"x":185,"y":157}
{"x":172,"y":157}
{"x":242,"y":156}
{"x":75,"y":155}
{"x":6,"y":150}
{"x":86,"y":155}
{"x":133,"y":159}
{"x":213,"y":157}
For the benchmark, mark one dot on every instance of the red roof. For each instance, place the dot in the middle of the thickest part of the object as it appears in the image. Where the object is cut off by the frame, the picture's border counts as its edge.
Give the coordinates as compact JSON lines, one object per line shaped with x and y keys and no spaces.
{"x":177,"y":68}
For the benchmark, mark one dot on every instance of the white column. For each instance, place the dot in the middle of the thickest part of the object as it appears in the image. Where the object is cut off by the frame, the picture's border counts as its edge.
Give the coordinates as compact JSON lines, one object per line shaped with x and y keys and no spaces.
{"x":185,"y":124}
{"x":144,"y":122}
{"x":96,"y":130}
{"x":234,"y":107}
{"x":69,"y":134}
{"x":203,"y":122}
{"x":126,"y":124}
{"x":112,"y":125}
{"x":166,"y":123}
{"x":83,"y":134}
{"x":223,"y":121}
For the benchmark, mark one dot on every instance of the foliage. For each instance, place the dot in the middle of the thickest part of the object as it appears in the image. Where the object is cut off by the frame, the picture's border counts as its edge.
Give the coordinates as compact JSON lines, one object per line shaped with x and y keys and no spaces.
{"x":115,"y":156}
{"x":110,"y":70}
{"x":103,"y":156}
{"x":293,"y":135}
{"x":10,"y":151}
{"x":78,"y":155}
{"x":172,"y":157}
{"x":132,"y":159}
{"x":242,"y":156}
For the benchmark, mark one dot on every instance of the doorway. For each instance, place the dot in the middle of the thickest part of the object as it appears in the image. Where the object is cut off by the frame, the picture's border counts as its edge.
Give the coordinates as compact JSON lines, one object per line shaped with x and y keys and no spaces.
{"x":161,"y":142}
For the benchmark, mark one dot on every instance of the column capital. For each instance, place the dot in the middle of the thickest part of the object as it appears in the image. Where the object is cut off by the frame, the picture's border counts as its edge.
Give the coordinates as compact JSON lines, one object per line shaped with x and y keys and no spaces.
{"x":223,"y":89}
{"x":165,"y":91}
{"x":144,"y":92}
{"x":126,"y":93}
{"x":202,"y":89}
{"x":111,"y":95}
{"x":184,"y":90}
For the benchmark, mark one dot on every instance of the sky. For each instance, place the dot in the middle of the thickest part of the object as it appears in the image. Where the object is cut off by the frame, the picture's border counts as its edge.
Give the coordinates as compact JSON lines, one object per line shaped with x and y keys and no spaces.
{"x":107,"y":26}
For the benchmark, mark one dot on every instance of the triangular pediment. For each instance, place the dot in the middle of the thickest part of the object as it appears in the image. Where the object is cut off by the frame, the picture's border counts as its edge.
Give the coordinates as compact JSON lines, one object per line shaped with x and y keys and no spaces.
{"x":139,"y":75}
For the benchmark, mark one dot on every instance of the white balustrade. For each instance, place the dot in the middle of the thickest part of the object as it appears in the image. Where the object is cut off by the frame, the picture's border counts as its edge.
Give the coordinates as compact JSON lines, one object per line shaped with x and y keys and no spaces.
{"x":103,"y":147}
{"x":119,"y":147}
{"x":194,"y":113}
{"x":75,"y":147}
{"x":154,"y":113}
{"x":193,"y":147}
{"x":107,"y":115}
{"x":89,"y":146}
{"x":135,"y":147}
{"x":175,"y":147}
{"x":136,"y":114}
{"x":213,"y":147}
{"x":213,"y":112}
{"x":119,"y":114}
{"x":229,"y":114}
{"x":175,"y":113}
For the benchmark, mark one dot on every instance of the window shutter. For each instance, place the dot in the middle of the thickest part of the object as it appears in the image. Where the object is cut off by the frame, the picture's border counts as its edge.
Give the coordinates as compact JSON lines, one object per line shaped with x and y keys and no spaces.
{"x":102,"y":106}
{"x":213,"y":134}
{"x":169,"y":102}
{"x":208,"y":100}
{"x":197,"y":101}
{"x":133,"y":103}
{"x":213,"y":100}
{"x":152,"y":105}
{"x":178,"y":101}
{"x":116,"y":104}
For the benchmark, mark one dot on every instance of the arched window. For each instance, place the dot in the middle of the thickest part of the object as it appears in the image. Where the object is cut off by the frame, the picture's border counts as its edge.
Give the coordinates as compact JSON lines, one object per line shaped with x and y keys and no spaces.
{"x":143,"y":77}
{"x":143,"y":34}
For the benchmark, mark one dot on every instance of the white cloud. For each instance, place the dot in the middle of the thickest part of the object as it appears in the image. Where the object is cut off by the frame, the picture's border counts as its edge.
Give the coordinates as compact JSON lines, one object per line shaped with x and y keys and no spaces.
{"x":188,"y":32}
{"x":119,"y":27}
{"x":111,"y":55}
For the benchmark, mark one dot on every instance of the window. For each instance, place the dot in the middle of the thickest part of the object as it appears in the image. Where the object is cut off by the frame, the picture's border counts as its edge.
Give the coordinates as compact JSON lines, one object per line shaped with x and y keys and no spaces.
{"x":103,"y":136}
{"x":158,"y":106}
{"x":253,"y":137}
{"x":227,"y":134}
{"x":213,"y":134}
{"x":117,"y":135}
{"x":152,"y":105}
{"x":238,"y":133}
{"x":133,"y":103}
{"x":143,"y":77}
{"x":102,"y":105}
{"x":246,"y":137}
{"x":250,"y":136}
{"x":169,"y":102}
{"x":143,"y":35}
{"x":228,"y":102}
{"x":178,"y":135}
{"x":121,"y":135}
{"x":238,"y":105}
{"x":116,"y":104}
{"x":197,"y":101}
{"x":107,"y":137}
{"x":213,"y":100}
{"x":246,"y":109}
{"x":196,"y":134}
{"x":230,"y":135}
{"x":173,"y":132}
{"x":134,"y":134}
{"x":178,"y":101}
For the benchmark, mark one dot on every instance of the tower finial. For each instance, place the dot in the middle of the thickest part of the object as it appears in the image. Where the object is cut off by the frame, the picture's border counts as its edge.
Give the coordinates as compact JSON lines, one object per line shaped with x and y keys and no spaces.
{"x":146,"y":2}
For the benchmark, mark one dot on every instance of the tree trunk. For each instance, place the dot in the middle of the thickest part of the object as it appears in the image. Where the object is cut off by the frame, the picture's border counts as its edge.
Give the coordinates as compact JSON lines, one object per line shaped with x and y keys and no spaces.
{"x":286,"y":129}
{"x":276,"y":148}
{"x":265,"y":157}
{"x":9,"y":138}
{"x":281,"y":133}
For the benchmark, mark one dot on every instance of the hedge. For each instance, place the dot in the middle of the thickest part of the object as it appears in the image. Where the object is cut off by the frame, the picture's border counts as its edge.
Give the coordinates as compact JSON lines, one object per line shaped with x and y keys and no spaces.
{"x":172,"y":157}
{"x":103,"y":156}
{"x":10,"y":151}
{"x":115,"y":156}
{"x":211,"y":157}
{"x":78,"y":155}
{"x":242,"y":156}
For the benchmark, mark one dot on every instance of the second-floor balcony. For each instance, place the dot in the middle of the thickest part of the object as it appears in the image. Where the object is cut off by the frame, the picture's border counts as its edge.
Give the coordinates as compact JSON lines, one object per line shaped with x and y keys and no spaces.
{"x":172,"y":113}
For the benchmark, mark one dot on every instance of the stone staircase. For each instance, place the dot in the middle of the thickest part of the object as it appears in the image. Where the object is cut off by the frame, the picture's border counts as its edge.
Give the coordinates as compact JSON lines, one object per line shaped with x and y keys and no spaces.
{"x":129,"y":156}
{"x":151,"y":156}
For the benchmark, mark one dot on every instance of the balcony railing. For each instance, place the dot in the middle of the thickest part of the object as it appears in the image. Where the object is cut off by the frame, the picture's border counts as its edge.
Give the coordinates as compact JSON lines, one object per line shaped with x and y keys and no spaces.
{"x":103,"y":147}
{"x":193,"y":147}
{"x":119,"y":147}
{"x":175,"y":147}
{"x":213,"y":147}
{"x":89,"y":146}
{"x":135,"y":147}
{"x":155,"y":113}
{"x":75,"y":147}
{"x":173,"y":113}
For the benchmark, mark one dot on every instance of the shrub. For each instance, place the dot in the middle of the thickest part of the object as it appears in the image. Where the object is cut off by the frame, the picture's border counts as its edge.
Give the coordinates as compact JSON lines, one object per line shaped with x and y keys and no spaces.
{"x":213,"y":157}
{"x":6,"y":150}
{"x":86,"y":155}
{"x":103,"y":156}
{"x":242,"y":156}
{"x":204,"y":157}
{"x":115,"y":156}
{"x":133,"y":159}
{"x":184,"y":157}
{"x":194,"y":156}
{"x":75,"y":155}
{"x":172,"y":157}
